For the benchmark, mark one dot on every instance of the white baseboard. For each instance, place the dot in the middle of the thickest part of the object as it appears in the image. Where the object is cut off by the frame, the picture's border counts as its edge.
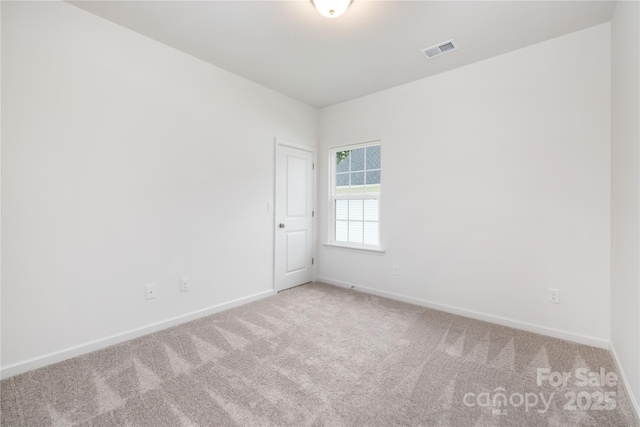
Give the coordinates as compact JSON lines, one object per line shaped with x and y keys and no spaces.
{"x":633,"y":400}
{"x":59,"y":356}
{"x":504,"y":321}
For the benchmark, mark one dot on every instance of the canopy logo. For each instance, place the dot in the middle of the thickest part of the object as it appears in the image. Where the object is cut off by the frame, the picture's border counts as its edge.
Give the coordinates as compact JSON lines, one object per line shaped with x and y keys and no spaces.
{"x":587,"y":399}
{"x":498,"y":400}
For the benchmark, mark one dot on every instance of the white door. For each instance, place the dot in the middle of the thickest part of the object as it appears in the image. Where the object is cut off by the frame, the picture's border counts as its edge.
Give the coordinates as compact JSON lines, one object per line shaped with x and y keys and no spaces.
{"x":294,"y":216}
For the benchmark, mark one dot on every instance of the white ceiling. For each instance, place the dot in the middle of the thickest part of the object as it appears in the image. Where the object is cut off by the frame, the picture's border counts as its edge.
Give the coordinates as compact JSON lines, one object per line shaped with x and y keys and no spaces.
{"x":287,"y":46}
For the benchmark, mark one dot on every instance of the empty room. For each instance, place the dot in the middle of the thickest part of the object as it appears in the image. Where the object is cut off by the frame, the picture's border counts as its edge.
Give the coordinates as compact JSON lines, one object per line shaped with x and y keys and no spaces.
{"x":320,"y":213}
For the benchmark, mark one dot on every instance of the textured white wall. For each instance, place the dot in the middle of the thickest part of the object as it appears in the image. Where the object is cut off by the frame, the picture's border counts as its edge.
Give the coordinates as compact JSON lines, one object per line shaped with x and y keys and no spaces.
{"x":625,"y":190}
{"x":126,"y":162}
{"x":495,"y":186}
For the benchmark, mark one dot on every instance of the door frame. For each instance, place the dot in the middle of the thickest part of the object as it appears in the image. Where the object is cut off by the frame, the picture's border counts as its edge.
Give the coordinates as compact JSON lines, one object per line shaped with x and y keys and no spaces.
{"x":279,"y":142}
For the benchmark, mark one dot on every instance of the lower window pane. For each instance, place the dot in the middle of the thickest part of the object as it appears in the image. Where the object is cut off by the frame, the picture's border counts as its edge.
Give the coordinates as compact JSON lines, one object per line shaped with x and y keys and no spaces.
{"x":356,"y":221}
{"x":355,"y":210}
{"x":342,"y":231}
{"x":342,"y":209}
{"x":371,"y":210}
{"x":371,"y":233}
{"x":355,"y":231}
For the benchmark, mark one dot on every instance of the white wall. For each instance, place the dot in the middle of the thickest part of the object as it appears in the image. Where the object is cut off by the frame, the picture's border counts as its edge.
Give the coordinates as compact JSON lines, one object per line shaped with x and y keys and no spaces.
{"x":495,"y":186}
{"x":625,"y":191}
{"x":126,"y":162}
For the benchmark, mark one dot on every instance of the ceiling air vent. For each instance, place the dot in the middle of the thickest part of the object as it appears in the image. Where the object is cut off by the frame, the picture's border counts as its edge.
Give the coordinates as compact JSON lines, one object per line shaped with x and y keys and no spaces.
{"x":439,"y":49}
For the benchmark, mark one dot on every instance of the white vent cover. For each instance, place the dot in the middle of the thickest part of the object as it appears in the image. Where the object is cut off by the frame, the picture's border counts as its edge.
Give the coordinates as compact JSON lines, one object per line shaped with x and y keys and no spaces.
{"x":439,"y":49}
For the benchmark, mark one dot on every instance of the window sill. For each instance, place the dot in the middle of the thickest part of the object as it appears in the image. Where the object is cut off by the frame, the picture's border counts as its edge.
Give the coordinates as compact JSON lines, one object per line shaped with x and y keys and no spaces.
{"x":378,"y":251}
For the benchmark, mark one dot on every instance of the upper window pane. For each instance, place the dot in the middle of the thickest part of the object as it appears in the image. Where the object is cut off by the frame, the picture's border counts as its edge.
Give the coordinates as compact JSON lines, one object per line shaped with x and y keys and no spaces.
{"x":373,"y":177}
{"x":357,"y":178}
{"x":342,"y":161}
{"x":357,"y":159}
{"x":357,"y":171}
{"x":373,"y":157}
{"x":342,"y":179}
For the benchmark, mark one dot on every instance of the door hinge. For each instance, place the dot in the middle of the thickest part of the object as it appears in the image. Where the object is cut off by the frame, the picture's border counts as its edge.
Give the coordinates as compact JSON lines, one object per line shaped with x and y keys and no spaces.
{"x":313,"y":214}
{"x":313,"y":260}
{"x":313,"y":166}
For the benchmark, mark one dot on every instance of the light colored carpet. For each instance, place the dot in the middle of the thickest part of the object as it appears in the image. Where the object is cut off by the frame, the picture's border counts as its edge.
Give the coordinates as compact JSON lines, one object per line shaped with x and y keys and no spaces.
{"x":318,"y":355}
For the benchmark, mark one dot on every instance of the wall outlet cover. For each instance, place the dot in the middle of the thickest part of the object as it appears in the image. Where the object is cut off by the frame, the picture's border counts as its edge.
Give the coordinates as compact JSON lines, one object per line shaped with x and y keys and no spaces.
{"x":553,"y":296}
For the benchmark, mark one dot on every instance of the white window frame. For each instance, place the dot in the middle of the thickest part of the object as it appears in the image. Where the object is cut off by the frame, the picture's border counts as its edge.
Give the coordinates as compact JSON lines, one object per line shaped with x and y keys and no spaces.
{"x":333,"y":197}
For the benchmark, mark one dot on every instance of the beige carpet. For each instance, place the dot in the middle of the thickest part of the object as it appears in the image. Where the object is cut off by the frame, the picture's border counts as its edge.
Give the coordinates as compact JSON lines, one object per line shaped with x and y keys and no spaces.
{"x":317,"y":355}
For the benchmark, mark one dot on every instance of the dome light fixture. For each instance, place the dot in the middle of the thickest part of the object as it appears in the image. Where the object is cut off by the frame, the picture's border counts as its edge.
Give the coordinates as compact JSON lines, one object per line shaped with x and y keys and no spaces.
{"x":331,"y":8}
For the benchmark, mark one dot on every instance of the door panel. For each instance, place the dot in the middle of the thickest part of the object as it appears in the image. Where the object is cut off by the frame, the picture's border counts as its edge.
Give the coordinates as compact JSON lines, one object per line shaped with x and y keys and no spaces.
{"x":294,"y":217}
{"x":296,"y":186}
{"x":296,"y":250}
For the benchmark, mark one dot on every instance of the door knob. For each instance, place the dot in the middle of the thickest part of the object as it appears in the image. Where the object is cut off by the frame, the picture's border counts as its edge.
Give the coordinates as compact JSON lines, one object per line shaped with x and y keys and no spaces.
{"x":281,"y":225}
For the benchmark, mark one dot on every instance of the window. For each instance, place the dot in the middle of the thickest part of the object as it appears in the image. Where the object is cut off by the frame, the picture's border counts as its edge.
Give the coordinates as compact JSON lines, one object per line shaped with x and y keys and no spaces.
{"x":355,"y":195}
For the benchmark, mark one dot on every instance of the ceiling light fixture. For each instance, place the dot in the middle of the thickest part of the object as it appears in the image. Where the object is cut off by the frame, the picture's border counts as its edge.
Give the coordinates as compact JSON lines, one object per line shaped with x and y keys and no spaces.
{"x":331,"y":8}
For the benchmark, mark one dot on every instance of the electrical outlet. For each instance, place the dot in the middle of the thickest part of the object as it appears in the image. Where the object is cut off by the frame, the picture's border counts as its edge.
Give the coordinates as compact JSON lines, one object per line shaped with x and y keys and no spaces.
{"x":185,"y":284}
{"x":396,"y":270}
{"x":151,"y":291}
{"x":553,"y":295}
